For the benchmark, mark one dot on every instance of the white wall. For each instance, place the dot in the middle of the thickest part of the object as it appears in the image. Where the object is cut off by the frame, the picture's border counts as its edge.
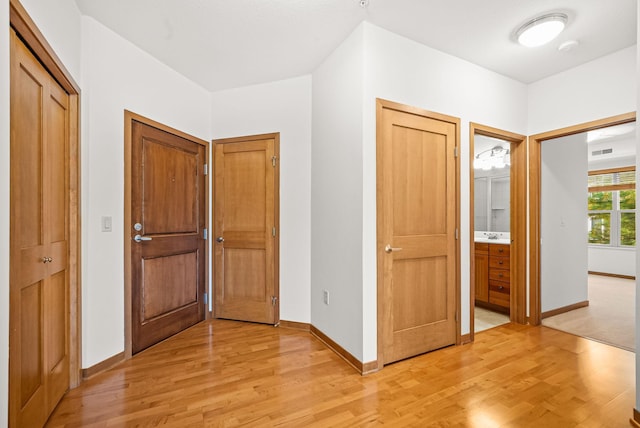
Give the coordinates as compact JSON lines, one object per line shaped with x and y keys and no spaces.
{"x":117,"y":76}
{"x":336,"y":195}
{"x":563,"y":225}
{"x":284,"y":107}
{"x":619,"y":261}
{"x":613,"y":163}
{"x":4,"y":213}
{"x":601,"y":88}
{"x":398,"y":69}
{"x":59,"y":21}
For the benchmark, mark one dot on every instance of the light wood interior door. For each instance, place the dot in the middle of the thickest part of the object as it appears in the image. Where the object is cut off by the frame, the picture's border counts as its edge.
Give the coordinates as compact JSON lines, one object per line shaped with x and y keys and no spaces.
{"x":417,"y":221}
{"x":39,"y":279}
{"x":246,"y":229}
{"x":168,"y":206}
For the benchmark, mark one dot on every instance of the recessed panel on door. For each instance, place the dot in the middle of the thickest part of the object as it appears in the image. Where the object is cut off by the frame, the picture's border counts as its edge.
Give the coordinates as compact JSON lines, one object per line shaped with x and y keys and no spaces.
{"x":169,"y":283}
{"x":170,"y":184}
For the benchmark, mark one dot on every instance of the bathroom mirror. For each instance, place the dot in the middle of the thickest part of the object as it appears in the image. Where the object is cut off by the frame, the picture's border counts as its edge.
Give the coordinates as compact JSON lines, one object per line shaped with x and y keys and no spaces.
{"x":492,"y":169}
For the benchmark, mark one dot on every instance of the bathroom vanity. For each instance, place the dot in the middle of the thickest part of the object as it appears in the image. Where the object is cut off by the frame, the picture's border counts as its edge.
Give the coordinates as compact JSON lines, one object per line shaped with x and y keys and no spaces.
{"x":492,"y":275}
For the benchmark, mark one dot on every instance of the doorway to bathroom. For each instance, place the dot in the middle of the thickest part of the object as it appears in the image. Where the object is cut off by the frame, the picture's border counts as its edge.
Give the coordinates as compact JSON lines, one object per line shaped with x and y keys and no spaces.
{"x":498,"y":221}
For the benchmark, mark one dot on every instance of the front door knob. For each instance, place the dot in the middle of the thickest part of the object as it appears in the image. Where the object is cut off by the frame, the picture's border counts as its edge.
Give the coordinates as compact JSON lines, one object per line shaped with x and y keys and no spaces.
{"x":220,"y":239}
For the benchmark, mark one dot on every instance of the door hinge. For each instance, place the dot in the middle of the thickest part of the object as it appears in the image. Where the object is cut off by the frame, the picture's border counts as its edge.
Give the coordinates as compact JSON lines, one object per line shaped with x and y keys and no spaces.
{"x":206,"y":299}
{"x":274,"y":160}
{"x":205,"y":234}
{"x":455,"y":152}
{"x":456,"y":233}
{"x":206,"y":169}
{"x":273,"y":232}
{"x":274,"y":300}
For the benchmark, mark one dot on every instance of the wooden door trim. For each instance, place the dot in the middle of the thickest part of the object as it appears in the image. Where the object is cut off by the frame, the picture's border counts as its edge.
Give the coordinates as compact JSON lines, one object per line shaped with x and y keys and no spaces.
{"x":382,"y":104}
{"x":535,"y":306}
{"x":518,"y":219}
{"x":275,"y":136}
{"x":27,"y":30}
{"x":129,"y":118}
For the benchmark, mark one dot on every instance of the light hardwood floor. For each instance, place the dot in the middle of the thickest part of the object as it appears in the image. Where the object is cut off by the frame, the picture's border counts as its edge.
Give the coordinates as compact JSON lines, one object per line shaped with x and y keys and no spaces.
{"x":226,"y":374}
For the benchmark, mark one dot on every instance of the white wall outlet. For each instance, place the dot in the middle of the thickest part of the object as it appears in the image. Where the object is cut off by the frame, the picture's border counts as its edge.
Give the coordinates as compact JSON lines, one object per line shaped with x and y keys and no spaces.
{"x":325,"y":297}
{"x":106,"y":223}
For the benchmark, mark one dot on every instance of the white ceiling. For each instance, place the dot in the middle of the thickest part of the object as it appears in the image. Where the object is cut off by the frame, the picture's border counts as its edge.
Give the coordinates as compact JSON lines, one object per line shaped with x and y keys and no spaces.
{"x":223,"y":44}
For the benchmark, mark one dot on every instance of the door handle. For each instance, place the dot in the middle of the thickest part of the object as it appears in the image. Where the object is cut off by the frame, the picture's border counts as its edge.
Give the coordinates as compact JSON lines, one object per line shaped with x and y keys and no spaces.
{"x":220,"y":239}
{"x":389,"y":249}
{"x":47,"y":260}
{"x":140,"y":238}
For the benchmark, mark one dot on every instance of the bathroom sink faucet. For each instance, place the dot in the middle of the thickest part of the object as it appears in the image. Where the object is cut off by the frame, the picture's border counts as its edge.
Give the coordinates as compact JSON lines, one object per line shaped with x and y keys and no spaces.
{"x":492,"y":236}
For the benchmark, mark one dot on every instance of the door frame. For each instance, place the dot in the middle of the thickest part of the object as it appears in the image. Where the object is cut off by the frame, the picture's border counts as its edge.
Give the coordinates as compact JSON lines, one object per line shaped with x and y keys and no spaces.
{"x":275,"y":136}
{"x":129,"y":117}
{"x":28,"y":31}
{"x":517,"y":215}
{"x":535,"y":183}
{"x":382,"y":104}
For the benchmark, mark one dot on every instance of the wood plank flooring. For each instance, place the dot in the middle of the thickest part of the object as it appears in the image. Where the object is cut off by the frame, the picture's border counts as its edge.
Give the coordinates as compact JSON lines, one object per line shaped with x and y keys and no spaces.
{"x":228,"y":374}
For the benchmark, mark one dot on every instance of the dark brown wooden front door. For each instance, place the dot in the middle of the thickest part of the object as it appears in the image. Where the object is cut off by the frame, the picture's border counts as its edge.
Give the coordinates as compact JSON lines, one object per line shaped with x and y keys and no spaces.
{"x":168,"y":206}
{"x":246,"y":229}
{"x":39,"y":290}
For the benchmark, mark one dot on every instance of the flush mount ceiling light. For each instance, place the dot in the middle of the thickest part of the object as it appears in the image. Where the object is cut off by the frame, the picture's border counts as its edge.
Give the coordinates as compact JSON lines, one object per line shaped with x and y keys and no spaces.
{"x":624,"y":130}
{"x":541,"y":30}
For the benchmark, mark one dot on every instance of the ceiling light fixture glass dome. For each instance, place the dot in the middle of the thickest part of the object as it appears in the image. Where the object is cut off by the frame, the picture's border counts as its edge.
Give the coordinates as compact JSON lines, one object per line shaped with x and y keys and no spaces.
{"x":541,"y":30}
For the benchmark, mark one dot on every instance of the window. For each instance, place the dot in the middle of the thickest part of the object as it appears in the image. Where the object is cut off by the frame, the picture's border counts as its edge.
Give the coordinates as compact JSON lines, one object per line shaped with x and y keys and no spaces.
{"x":612,"y":207}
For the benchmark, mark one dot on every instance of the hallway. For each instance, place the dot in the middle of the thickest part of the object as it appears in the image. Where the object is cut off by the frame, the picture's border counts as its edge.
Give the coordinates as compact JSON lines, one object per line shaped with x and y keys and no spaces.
{"x":225,"y":373}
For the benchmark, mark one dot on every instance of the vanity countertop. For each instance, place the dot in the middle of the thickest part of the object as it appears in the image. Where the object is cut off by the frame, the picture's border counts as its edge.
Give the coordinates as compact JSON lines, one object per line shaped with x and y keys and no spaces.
{"x":493,"y":241}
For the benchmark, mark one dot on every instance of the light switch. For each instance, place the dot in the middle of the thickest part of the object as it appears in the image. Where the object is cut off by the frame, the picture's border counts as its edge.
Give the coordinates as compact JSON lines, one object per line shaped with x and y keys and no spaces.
{"x":106,"y":223}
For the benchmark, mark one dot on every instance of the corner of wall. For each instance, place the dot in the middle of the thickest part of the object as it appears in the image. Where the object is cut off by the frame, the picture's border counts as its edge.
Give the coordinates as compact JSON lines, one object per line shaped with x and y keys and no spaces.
{"x":369,"y":215}
{"x":336,"y":195}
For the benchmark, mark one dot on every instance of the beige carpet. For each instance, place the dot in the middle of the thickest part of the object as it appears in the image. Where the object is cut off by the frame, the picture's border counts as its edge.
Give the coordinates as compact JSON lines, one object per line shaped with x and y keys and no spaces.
{"x":485,"y":319}
{"x":610,"y":316}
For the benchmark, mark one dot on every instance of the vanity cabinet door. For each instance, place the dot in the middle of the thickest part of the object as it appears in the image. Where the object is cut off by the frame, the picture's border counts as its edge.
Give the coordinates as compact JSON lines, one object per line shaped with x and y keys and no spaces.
{"x":482,"y":272}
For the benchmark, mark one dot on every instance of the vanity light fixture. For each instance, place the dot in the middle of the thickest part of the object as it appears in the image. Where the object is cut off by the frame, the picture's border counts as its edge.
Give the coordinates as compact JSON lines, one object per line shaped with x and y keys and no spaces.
{"x":541,"y":30}
{"x":495,"y":157}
